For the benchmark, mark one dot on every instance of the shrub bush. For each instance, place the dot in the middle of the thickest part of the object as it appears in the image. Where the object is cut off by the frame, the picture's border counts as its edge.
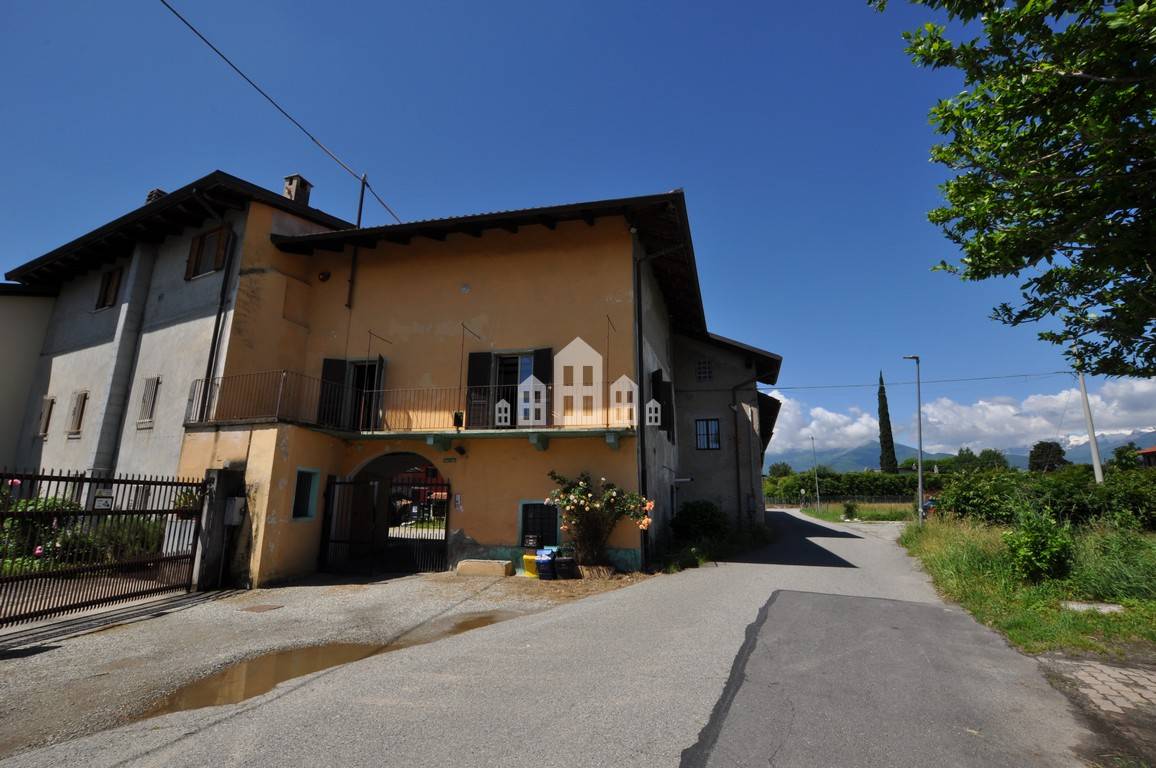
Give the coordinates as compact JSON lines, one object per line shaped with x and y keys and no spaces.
{"x":850,"y":509}
{"x":1039,"y":546}
{"x":990,"y":496}
{"x":699,"y":521}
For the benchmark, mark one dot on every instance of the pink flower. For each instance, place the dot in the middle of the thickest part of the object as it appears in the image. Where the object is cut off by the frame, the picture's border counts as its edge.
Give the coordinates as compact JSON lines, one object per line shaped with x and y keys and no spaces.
{"x":649,"y":505}
{"x":14,"y":482}
{"x":39,"y":551}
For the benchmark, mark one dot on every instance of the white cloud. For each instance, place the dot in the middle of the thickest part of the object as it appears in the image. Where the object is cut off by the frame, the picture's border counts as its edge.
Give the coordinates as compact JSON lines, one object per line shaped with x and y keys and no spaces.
{"x":831,"y":430}
{"x":1118,"y":406}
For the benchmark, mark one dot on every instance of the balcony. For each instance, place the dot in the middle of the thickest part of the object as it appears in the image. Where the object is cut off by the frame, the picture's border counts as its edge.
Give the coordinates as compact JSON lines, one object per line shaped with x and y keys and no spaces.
{"x":435,"y":412}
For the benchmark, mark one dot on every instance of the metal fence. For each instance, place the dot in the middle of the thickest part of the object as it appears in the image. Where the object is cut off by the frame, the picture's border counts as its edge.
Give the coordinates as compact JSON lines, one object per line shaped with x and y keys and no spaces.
{"x":69,"y":541}
{"x":833,"y":500}
{"x":293,"y":397}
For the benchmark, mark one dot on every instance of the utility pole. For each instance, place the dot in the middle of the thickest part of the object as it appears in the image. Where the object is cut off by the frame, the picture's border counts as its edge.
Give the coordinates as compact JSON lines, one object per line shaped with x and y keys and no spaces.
{"x":1094,"y":444}
{"x":815,"y":464}
{"x":918,"y":429}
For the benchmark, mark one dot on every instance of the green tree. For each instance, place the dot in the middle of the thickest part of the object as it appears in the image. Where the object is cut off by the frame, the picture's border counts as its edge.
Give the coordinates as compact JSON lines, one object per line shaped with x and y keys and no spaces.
{"x":1046,"y":456}
{"x":887,"y":461}
{"x":1125,"y":456}
{"x":780,"y":469}
{"x":1053,"y":148}
{"x":990,"y":458}
{"x":966,"y":459}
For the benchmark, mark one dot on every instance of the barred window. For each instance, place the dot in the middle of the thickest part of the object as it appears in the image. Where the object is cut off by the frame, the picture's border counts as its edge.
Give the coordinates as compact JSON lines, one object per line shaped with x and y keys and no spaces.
{"x":702,"y":371}
{"x":706,"y":437}
{"x":148,"y":402}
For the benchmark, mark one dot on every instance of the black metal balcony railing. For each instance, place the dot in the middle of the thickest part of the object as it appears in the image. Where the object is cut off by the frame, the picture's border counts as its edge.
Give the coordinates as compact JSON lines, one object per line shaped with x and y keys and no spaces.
{"x":293,"y":397}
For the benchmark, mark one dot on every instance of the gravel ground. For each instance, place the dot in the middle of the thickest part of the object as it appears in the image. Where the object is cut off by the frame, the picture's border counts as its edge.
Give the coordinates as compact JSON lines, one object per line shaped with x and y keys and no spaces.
{"x":60,"y":689}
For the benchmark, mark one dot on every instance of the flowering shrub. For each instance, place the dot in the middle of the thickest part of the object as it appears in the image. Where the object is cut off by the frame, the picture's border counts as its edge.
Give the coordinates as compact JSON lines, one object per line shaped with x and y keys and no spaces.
{"x":591,"y":510}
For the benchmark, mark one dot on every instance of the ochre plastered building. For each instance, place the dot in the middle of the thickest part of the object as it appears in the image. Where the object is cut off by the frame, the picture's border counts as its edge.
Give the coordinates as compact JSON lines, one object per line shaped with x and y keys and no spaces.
{"x":376,"y":383}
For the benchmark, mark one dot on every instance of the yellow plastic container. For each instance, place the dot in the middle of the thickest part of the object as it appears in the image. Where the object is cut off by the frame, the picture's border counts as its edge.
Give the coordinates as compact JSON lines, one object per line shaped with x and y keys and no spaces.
{"x":530,"y":566}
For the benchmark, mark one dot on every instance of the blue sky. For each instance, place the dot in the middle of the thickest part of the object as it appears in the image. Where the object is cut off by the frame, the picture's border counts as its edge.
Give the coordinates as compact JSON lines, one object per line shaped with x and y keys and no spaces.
{"x":798,"y":131}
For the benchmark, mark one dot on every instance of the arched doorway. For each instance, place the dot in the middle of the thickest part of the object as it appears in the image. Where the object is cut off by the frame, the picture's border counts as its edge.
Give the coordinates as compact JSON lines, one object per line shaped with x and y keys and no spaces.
{"x":390,"y":517}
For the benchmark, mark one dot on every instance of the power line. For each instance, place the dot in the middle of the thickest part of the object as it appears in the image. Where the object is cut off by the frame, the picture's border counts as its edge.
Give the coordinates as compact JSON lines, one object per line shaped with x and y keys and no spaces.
{"x":360,"y":177}
{"x":873,"y":385}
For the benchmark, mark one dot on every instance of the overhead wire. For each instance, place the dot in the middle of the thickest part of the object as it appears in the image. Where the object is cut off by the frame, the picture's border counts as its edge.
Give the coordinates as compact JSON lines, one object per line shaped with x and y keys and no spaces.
{"x":873,"y":385}
{"x":360,"y":177}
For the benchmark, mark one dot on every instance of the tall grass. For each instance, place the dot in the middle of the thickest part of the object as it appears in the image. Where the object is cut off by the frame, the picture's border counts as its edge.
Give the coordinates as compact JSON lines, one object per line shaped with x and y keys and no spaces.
{"x":970,"y":564}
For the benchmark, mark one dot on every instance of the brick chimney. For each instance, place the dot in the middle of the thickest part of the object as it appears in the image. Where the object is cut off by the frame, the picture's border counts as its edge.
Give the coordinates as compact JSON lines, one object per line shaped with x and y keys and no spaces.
{"x":297,"y":188}
{"x":154,"y":195}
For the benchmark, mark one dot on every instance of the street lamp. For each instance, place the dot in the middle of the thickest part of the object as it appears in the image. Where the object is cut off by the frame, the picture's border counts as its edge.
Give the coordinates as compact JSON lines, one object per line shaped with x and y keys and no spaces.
{"x":918,"y":430}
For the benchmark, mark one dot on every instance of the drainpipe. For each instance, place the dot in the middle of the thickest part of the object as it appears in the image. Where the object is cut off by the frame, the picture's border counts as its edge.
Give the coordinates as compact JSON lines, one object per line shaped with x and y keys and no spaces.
{"x":637,"y":256}
{"x":738,"y":467}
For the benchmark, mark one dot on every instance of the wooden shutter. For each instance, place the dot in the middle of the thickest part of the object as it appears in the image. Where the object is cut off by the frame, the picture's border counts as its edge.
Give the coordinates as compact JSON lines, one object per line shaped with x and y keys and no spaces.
{"x":148,"y":401}
{"x":332,"y":391}
{"x":224,"y":240}
{"x":76,"y":418}
{"x":46,"y":406}
{"x":479,"y":412}
{"x":191,"y":262}
{"x":544,"y":365}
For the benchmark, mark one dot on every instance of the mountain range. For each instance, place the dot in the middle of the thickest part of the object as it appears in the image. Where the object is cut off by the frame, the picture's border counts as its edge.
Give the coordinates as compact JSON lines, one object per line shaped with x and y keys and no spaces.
{"x":866,"y":456}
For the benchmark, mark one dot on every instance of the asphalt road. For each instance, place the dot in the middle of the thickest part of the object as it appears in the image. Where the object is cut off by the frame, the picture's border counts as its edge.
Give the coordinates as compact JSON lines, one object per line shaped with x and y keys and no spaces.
{"x":827,"y":649}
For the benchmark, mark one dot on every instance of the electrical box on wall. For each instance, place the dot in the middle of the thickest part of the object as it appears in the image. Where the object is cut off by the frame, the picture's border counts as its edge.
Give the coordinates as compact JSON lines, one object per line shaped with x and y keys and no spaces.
{"x":234,"y":510}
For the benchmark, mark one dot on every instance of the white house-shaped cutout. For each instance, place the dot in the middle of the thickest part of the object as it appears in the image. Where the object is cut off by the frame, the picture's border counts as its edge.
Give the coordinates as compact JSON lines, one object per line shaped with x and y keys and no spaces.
{"x":532,"y":403}
{"x":502,"y":414}
{"x":577,"y":385}
{"x":623,"y":402}
{"x":653,"y":414}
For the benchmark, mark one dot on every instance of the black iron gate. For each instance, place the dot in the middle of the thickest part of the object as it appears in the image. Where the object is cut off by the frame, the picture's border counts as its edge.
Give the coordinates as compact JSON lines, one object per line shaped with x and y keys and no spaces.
{"x":69,"y":542}
{"x":374,"y":527}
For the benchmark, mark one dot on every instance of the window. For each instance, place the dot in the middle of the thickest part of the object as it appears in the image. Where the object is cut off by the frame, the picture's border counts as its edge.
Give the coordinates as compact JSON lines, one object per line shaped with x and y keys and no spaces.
{"x":46,"y":406}
{"x":587,"y":375}
{"x":76,"y":418}
{"x":541,"y":521}
{"x":702,"y":371}
{"x":305,"y":494}
{"x":568,"y":376}
{"x":148,"y":402}
{"x":706,"y":434}
{"x":109,"y":288}
{"x":207,"y":252}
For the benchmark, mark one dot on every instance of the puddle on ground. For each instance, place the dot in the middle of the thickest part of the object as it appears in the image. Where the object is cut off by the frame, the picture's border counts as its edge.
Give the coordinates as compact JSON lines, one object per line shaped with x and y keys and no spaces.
{"x":260,"y":674}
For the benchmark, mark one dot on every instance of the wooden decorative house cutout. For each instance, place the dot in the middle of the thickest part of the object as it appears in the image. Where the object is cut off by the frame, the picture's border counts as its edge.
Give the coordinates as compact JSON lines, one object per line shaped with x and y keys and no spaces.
{"x":623,"y":402}
{"x":578,"y":385}
{"x":502,"y":414}
{"x":653,"y":414}
{"x":532,"y":403}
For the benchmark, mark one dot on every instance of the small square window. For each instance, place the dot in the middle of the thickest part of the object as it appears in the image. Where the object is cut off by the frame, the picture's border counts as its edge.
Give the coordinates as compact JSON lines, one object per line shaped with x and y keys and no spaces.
{"x":702,"y":371}
{"x":706,"y":436}
{"x":109,"y":288}
{"x":305,"y":494}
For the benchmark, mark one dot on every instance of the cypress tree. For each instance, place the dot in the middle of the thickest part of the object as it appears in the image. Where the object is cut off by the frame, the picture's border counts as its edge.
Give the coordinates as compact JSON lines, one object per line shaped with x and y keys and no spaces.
{"x":887,"y":461}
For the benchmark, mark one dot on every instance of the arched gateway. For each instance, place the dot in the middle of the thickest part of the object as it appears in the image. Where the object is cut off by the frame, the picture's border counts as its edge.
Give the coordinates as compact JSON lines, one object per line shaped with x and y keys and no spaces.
{"x":391,"y":517}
